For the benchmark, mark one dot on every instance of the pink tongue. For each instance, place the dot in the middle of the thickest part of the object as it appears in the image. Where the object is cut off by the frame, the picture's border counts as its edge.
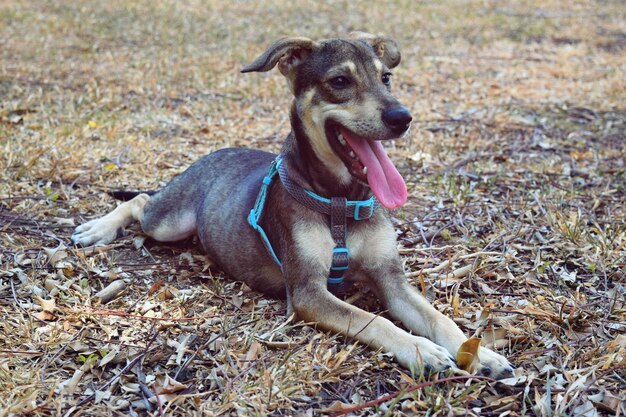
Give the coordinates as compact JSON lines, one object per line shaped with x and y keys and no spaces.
{"x":382,"y":176}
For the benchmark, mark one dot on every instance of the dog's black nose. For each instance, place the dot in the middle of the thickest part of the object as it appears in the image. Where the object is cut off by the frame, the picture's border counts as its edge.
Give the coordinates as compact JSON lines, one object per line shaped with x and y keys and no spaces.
{"x":397,"y":119}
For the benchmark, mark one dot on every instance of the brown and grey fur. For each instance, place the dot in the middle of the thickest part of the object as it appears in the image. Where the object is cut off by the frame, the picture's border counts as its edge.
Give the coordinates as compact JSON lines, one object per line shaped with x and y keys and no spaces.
{"x":213,"y":197}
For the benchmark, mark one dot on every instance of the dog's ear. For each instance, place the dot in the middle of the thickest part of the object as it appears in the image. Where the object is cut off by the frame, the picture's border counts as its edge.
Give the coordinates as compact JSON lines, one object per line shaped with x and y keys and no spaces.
{"x":288,"y":53}
{"x":386,"y":48}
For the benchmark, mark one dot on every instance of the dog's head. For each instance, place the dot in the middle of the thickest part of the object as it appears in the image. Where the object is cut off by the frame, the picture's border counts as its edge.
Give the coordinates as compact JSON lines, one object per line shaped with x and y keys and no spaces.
{"x":343,"y":99}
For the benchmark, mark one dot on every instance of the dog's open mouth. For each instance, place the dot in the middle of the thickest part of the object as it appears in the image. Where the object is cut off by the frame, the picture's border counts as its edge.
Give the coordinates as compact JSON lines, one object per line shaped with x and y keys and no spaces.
{"x":368,"y":162}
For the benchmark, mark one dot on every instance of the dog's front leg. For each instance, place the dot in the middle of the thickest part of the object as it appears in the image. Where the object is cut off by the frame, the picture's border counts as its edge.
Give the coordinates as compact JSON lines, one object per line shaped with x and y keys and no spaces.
{"x":305,"y":268}
{"x":416,"y":313}
{"x":314,"y":303}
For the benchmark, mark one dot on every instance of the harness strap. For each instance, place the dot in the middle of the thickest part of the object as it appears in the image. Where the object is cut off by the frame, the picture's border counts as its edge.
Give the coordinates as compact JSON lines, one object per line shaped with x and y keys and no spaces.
{"x":338,"y":208}
{"x":341,"y":255}
{"x":257,"y":210}
{"x":359,"y":209}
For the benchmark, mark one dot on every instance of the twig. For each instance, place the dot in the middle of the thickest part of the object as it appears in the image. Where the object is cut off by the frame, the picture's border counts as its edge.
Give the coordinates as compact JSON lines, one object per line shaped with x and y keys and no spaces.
{"x":13,"y":353}
{"x":112,"y":290}
{"x":115,"y":313}
{"x":536,"y":197}
{"x":90,"y":250}
{"x":475,"y":254}
{"x":427,"y":271}
{"x":410,"y":389}
{"x":57,"y":354}
{"x":117,"y":376}
{"x":459,"y":272}
{"x":145,"y":390}
{"x":208,"y":342}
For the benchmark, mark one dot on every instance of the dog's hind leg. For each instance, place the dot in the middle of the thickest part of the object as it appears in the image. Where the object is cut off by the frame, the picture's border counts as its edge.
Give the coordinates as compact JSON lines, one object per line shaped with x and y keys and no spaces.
{"x":160,"y":216}
{"x":107,"y":228}
{"x":169,"y":217}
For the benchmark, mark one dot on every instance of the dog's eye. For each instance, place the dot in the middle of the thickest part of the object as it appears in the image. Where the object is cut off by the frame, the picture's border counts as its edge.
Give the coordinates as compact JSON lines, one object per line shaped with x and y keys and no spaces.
{"x":386,"y":78}
{"x":339,"y":82}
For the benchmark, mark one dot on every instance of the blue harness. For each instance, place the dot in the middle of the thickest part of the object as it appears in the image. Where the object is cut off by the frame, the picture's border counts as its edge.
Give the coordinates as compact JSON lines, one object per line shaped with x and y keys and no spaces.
{"x":337,"y":207}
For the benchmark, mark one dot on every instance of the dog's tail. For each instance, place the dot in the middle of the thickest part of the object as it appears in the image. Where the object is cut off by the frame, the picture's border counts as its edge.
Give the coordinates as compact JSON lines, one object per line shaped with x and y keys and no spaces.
{"x":128,"y":195}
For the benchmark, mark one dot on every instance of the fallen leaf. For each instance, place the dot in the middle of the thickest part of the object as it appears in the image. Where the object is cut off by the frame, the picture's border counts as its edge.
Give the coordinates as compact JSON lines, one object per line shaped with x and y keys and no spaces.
{"x":337,"y":406}
{"x":620,"y":341}
{"x":154,"y":287}
{"x":253,"y":352}
{"x":64,"y":222}
{"x":494,"y":338}
{"x":46,"y":305}
{"x":168,"y":293}
{"x":586,"y":409}
{"x":101,"y":396}
{"x":181,"y":346}
{"x":43,"y":315}
{"x":109,"y":356}
{"x":467,"y":355}
{"x":611,"y":403}
{"x":169,"y":385}
{"x":54,"y":255}
{"x":237,"y":300}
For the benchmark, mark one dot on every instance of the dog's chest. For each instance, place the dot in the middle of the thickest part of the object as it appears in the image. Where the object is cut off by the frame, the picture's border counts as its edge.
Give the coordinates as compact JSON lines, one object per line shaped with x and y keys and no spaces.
{"x":372,"y":243}
{"x":369,"y":244}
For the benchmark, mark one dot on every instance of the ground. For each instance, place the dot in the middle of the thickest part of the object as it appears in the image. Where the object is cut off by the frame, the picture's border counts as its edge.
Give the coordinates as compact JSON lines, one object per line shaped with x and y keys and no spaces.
{"x":515,"y":226}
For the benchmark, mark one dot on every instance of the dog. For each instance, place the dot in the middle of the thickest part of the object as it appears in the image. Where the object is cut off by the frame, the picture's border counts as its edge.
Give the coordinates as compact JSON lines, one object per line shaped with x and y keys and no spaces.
{"x":316,"y":216}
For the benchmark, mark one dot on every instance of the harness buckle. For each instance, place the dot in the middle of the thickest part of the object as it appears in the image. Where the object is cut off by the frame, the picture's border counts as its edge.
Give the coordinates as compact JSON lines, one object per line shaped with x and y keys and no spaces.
{"x":363,"y":204}
{"x":340,"y":263}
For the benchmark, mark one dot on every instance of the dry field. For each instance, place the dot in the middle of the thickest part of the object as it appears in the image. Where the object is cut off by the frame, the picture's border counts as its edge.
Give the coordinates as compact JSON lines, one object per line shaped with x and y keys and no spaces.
{"x":516,"y":224}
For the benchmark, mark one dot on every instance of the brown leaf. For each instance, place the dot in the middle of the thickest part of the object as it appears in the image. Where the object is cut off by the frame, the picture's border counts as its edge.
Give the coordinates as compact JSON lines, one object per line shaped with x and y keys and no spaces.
{"x":494,"y":338}
{"x":154,"y":287}
{"x":44,"y":315}
{"x":467,"y":355}
{"x":253,"y":352}
{"x":46,"y":305}
{"x":169,"y":386}
{"x":54,"y":255}
{"x":168,"y":293}
{"x":337,"y":406}
{"x":609,"y":403}
{"x":620,"y":341}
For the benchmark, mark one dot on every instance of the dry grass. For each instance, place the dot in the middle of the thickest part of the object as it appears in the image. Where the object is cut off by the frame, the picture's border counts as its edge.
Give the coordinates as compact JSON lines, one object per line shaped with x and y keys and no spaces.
{"x":516,"y":222}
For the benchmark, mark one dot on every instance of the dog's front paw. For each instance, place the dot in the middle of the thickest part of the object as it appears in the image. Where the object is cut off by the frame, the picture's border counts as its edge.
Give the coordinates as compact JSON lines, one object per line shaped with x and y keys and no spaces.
{"x":425,"y":354}
{"x":96,"y":232}
{"x":493,"y":365}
